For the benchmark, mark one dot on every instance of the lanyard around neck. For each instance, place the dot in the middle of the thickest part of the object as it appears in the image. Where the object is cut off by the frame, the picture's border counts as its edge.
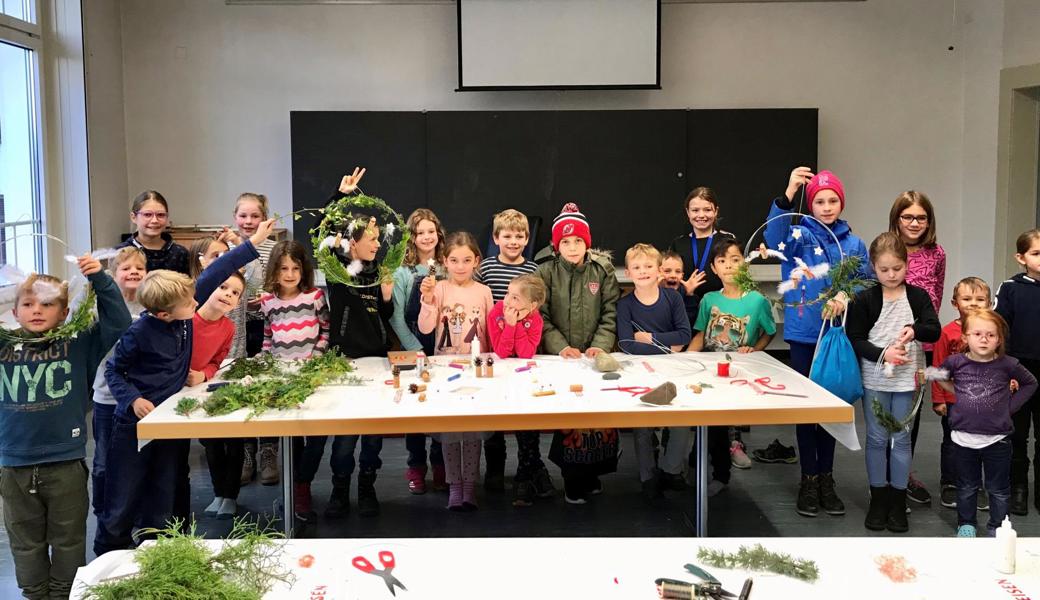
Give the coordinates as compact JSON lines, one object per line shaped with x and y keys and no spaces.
{"x":699,"y":260}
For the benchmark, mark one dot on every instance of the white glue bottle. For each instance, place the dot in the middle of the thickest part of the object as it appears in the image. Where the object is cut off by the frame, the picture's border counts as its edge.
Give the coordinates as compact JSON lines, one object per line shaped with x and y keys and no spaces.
{"x":1006,"y":538}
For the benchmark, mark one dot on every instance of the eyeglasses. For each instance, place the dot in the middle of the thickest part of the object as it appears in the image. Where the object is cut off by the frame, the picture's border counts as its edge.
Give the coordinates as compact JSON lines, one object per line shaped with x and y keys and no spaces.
{"x":982,"y":335}
{"x":908,"y":219}
{"x":149,"y":215}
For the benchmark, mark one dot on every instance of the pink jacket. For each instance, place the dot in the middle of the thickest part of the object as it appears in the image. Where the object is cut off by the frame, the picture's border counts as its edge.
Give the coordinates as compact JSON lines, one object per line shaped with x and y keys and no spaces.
{"x":519,"y":340}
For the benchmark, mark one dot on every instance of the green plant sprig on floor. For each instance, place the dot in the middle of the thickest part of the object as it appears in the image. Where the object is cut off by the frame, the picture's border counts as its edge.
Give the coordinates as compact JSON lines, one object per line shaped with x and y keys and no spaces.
{"x":757,"y":558}
{"x":181,"y":565}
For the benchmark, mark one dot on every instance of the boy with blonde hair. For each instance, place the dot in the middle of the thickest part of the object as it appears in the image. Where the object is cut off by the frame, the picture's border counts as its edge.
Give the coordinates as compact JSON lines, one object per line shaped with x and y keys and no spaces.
{"x":43,"y":428}
{"x":511,"y":232}
{"x":652,"y":320}
{"x":151,"y":363}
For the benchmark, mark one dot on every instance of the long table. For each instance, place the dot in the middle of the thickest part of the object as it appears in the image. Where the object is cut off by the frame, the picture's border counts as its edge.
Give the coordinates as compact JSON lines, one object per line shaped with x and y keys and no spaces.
{"x":759,"y":391}
{"x":628,"y":567}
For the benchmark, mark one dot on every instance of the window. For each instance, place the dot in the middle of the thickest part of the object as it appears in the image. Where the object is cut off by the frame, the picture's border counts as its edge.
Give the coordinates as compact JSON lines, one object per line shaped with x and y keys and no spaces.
{"x":20,"y":138}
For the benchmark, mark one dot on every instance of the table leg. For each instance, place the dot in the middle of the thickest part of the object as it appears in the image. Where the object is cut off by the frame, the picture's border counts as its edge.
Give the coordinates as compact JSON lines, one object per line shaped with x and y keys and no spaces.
{"x":288,"y":476}
{"x":700,"y":518}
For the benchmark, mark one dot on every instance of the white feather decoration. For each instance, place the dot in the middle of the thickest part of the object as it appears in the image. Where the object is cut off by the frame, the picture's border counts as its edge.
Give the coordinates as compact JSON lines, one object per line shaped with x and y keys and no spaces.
{"x":937,"y":374}
{"x":390,"y":229}
{"x":328,"y":242}
{"x":355,"y":267}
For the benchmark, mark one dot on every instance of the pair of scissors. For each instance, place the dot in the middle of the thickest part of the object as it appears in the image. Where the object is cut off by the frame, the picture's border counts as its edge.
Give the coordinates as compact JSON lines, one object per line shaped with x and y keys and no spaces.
{"x":386,"y":558}
{"x":635,"y":390}
{"x":754,"y":385}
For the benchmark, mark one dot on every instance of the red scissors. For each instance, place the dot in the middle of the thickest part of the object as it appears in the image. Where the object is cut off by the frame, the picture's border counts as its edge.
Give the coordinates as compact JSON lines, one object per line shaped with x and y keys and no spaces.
{"x":386,"y":557}
{"x":635,"y":390}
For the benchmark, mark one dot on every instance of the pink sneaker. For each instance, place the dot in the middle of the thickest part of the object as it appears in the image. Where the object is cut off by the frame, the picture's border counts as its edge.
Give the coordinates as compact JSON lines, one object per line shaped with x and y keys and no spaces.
{"x":469,"y":496}
{"x":416,"y":480}
{"x":737,"y":457}
{"x":455,"y":497}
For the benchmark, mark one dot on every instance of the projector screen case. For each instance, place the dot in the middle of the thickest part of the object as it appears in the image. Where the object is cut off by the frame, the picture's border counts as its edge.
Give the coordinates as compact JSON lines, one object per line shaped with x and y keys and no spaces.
{"x":559,"y":44}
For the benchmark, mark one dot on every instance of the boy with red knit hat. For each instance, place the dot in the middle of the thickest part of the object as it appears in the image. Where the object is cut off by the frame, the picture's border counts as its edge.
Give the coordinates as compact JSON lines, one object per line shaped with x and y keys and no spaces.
{"x":580,"y":317}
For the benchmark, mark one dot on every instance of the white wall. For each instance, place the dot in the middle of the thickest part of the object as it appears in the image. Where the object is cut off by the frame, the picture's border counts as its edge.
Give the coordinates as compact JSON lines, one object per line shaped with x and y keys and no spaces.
{"x":208,"y":89}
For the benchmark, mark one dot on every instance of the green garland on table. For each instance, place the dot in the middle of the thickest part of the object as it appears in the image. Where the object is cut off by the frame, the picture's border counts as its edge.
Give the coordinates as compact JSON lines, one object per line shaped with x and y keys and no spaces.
{"x":81,"y":320}
{"x":280,"y":391}
{"x":181,"y":565}
{"x":262,"y":364}
{"x":340,"y":218}
{"x":757,"y":558}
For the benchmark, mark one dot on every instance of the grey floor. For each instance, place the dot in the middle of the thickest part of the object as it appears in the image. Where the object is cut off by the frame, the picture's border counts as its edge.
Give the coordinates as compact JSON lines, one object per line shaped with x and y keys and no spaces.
{"x":758,"y":502}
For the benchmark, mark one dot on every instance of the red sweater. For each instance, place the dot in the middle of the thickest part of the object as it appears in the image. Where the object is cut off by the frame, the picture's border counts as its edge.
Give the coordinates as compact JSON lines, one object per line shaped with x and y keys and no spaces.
{"x":211,"y":342}
{"x":949,"y":343}
{"x":519,"y":340}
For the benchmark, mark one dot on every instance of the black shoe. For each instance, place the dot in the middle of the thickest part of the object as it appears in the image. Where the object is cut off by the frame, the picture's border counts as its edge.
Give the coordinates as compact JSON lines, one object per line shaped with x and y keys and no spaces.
{"x":809,"y":496}
{"x":652,"y":492}
{"x":367,"y":502}
{"x":523,"y":493}
{"x":897,"y":522}
{"x":775,"y":453}
{"x":339,"y":500}
{"x":575,"y":490}
{"x":982,"y":500}
{"x":877,"y":513}
{"x":543,"y":484}
{"x":670,"y":482}
{"x":495,"y":480}
{"x":829,"y":500}
{"x":595,"y":486}
{"x":948,"y":496}
{"x":916,"y":492}
{"x":1019,"y":503}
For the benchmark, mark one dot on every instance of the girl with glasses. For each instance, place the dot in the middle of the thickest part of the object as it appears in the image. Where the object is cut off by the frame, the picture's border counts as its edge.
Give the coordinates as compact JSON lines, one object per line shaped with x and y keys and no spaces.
{"x":150,"y":214}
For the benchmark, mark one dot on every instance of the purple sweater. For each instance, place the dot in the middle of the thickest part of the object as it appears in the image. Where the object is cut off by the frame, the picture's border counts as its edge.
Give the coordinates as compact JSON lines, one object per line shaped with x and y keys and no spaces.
{"x":984,"y":399}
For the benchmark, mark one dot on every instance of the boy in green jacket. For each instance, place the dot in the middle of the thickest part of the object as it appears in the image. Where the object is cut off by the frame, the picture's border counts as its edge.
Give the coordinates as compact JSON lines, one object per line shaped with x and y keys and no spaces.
{"x":580,"y":317}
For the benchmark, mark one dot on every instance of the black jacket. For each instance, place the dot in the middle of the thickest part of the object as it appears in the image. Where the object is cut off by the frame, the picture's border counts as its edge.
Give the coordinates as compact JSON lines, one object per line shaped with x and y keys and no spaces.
{"x":865,"y":308}
{"x":682,"y":246}
{"x":1018,"y":301}
{"x":359,"y":319}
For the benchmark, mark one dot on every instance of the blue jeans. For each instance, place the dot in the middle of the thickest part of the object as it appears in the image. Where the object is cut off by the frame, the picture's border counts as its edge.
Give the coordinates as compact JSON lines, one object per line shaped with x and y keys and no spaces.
{"x":416,"y":445}
{"x":102,"y":432}
{"x":307,"y":453}
{"x":139,"y":486}
{"x":881,"y":468}
{"x":342,"y":460}
{"x":993,"y":460}
{"x":815,"y":445}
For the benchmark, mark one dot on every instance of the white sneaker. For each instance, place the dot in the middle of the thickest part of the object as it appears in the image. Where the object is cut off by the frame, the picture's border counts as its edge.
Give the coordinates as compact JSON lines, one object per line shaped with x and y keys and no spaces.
{"x":228,"y":509}
{"x":714,"y":487}
{"x":214,"y":506}
{"x":737,"y":457}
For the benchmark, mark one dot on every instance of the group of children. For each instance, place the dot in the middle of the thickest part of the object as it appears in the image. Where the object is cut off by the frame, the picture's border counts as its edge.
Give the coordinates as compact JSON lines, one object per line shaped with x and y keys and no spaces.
{"x":169,"y":317}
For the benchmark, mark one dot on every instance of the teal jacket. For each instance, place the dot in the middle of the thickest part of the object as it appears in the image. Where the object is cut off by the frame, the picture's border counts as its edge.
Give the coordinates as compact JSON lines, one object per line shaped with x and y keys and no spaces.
{"x":45,"y":386}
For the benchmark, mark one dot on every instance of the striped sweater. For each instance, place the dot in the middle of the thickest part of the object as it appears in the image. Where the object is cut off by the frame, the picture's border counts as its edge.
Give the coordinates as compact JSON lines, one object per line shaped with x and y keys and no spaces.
{"x":295,"y":328}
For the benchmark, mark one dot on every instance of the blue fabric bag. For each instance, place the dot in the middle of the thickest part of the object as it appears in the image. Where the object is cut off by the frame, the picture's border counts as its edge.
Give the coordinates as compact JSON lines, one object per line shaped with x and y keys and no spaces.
{"x":835,"y":367}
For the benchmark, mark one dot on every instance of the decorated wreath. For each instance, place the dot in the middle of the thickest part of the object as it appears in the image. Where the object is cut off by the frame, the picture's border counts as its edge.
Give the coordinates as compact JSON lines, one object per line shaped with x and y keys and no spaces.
{"x":340,"y":221}
{"x":83,"y":304}
{"x":844,"y":276}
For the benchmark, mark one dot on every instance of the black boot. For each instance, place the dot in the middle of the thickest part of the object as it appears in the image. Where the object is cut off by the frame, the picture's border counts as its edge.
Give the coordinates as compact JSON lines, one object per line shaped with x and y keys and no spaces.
{"x":829,"y":500}
{"x":368,"y":504}
{"x":809,"y":496}
{"x":1019,"y":502}
{"x":339,"y":500}
{"x":877,"y":514}
{"x":897,"y":522}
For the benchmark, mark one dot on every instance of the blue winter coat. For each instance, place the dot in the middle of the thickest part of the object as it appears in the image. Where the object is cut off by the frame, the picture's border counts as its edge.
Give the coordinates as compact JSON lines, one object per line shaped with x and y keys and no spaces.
{"x":805,"y":328}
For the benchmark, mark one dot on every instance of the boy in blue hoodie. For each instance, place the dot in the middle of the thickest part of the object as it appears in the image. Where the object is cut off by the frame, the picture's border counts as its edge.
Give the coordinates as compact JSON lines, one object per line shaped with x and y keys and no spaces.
{"x":44,"y":396}
{"x":150,"y":364}
{"x":812,"y":241}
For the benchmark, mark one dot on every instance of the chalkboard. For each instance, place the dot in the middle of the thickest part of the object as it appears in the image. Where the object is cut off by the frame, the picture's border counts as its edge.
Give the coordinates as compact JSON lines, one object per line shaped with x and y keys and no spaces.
{"x":627,"y":170}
